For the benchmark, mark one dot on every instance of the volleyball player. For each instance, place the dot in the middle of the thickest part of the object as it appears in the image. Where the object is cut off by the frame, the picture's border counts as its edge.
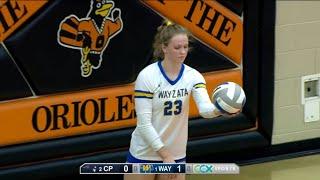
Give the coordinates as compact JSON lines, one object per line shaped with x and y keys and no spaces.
{"x":162,"y":93}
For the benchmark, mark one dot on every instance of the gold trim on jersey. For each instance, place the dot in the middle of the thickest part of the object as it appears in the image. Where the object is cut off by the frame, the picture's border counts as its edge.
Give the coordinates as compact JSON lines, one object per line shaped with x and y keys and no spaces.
{"x":200,"y":85}
{"x":143,"y":94}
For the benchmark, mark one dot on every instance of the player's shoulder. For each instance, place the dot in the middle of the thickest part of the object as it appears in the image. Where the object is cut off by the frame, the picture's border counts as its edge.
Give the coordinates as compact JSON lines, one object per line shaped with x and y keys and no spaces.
{"x":149,"y":70}
{"x":148,"y":78}
{"x":191,"y":71}
{"x":149,"y":74}
{"x":193,"y":75}
{"x":188,"y":68}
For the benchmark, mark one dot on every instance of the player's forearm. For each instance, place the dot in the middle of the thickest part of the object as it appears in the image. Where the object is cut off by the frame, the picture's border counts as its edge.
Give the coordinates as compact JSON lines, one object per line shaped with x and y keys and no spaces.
{"x":163,"y":152}
{"x":165,"y":155}
{"x":205,"y":106}
{"x":208,"y":110}
{"x":147,"y":131}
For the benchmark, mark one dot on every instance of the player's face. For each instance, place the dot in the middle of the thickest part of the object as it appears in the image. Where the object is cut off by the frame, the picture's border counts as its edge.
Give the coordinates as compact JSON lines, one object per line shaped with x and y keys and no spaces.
{"x":177,"y":48}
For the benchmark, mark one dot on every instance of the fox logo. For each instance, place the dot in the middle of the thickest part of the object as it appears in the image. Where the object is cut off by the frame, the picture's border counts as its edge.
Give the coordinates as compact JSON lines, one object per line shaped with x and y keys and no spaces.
{"x":91,"y":35}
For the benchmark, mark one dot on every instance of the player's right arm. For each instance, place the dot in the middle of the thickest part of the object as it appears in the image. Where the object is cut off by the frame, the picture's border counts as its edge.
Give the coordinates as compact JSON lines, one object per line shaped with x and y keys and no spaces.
{"x":144,"y":89}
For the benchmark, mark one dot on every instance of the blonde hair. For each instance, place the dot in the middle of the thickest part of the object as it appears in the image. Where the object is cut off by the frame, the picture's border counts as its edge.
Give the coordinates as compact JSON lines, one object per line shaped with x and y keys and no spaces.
{"x":164,"y":33}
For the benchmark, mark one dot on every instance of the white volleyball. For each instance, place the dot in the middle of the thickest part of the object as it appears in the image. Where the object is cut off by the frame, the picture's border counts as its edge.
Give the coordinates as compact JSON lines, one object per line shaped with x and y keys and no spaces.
{"x":228,"y":97}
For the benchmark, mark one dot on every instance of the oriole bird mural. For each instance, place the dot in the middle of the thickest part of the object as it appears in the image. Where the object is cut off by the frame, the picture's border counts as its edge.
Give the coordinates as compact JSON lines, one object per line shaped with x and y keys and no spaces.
{"x":91,"y":34}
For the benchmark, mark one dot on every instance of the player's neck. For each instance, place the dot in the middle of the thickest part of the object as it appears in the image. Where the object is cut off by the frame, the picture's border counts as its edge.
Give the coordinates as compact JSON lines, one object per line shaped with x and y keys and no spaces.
{"x":172,"y":69}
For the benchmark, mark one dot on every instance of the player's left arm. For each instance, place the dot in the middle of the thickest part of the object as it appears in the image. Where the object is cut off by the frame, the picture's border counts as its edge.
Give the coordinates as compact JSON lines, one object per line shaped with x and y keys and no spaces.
{"x":200,"y":95}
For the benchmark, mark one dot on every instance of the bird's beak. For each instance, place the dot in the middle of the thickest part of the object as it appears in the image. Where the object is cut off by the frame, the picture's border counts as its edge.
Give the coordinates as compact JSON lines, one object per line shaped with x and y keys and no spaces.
{"x":104,"y":10}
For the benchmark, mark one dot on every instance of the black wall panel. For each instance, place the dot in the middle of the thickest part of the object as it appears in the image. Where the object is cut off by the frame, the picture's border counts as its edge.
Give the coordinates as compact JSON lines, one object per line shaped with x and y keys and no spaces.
{"x":12,"y":83}
{"x":55,"y":68}
{"x":234,"y":5}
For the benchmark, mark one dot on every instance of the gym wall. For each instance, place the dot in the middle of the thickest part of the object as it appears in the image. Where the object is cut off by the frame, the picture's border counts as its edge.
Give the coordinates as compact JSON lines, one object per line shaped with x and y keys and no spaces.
{"x":297,"y":54}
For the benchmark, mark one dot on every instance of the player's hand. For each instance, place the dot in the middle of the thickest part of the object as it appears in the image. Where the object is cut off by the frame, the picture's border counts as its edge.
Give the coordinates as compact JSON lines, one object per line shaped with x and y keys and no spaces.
{"x":217,"y":112}
{"x":169,"y":159}
{"x":231,"y":115}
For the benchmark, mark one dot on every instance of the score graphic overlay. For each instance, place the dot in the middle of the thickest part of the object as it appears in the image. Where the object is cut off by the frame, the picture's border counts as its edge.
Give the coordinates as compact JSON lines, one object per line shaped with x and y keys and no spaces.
{"x":105,"y":168}
{"x":159,"y":168}
{"x":162,"y":168}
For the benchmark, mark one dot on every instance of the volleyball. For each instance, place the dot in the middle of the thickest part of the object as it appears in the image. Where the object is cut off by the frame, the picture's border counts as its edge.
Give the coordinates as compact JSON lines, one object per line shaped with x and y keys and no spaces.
{"x":228,"y":97}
